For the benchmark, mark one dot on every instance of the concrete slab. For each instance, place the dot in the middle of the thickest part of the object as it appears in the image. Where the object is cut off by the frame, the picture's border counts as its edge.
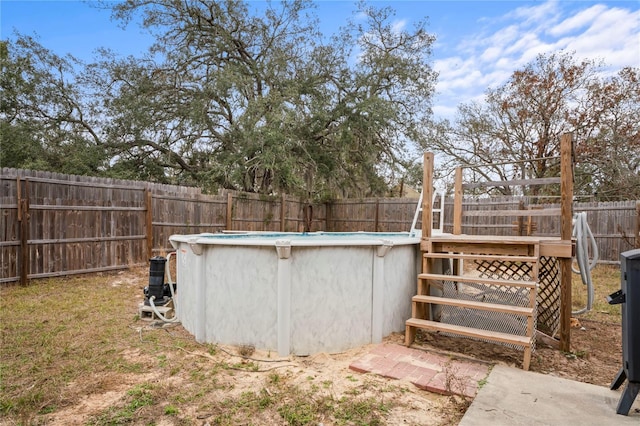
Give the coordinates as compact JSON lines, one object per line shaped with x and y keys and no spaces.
{"x":515,"y":397}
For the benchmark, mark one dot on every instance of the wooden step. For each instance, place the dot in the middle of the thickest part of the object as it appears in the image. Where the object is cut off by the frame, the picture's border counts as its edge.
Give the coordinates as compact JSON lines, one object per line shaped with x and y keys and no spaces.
{"x":523,"y":259}
{"x":470,"y":332}
{"x":472,"y":304}
{"x":467,"y":279}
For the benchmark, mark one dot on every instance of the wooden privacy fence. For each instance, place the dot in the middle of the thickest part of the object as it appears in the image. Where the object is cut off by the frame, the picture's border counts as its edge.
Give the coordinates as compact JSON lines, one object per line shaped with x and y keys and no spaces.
{"x":615,"y":224}
{"x":55,"y":224}
{"x":58,"y":225}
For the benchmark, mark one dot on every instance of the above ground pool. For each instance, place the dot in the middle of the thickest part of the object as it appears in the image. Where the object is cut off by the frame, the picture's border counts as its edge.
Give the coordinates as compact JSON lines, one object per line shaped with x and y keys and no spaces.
{"x":295,"y":293}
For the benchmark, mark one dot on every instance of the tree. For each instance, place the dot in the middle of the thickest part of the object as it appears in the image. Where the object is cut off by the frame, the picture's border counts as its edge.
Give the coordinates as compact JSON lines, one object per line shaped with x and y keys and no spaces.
{"x":608,"y":136}
{"x":228,"y":97}
{"x":232,"y":99}
{"x":43,"y":114}
{"x":516,"y":132}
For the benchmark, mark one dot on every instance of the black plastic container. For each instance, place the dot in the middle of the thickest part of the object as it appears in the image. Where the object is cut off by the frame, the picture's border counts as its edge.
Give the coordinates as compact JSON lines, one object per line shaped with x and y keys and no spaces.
{"x":156,"y":280}
{"x":629,"y":297}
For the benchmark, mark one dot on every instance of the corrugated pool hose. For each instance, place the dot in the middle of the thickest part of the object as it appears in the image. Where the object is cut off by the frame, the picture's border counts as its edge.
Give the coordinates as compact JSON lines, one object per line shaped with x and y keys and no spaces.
{"x":585,"y":243}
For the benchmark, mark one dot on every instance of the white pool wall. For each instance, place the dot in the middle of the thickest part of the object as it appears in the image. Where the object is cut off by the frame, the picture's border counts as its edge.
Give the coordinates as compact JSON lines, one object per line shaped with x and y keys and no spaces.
{"x":296,"y":295}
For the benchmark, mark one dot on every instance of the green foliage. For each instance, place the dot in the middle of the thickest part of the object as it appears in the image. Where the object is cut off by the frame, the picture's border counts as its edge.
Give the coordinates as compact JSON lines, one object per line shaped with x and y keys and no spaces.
{"x":170,"y":410}
{"x":298,"y":413}
{"x":19,"y":149}
{"x":255,"y":99}
{"x":229,"y":96}
{"x":138,"y":397}
{"x":43,"y":119}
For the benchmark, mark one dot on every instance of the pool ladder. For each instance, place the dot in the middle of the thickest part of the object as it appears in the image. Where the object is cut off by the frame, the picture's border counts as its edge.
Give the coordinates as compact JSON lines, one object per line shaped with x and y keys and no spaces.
{"x":440,"y":210}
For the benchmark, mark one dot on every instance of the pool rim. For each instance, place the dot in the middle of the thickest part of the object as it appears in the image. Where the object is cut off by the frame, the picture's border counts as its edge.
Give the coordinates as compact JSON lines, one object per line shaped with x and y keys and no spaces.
{"x":296,"y":239}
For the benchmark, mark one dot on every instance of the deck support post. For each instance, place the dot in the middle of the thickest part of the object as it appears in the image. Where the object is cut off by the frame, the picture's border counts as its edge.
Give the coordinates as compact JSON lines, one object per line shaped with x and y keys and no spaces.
{"x":566,"y":228}
{"x":427,"y":195}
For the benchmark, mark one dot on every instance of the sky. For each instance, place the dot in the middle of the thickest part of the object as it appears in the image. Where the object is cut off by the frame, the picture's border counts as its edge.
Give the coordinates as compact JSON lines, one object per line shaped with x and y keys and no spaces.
{"x":479,"y":44}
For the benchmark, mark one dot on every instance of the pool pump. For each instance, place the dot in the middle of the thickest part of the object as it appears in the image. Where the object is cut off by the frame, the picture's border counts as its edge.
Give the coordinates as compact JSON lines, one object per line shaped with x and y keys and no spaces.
{"x":160,"y":298}
{"x":156,"y":287}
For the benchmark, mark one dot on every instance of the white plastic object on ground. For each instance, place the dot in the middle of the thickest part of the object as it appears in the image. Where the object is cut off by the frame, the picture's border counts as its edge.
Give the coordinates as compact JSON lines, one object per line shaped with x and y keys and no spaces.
{"x":584,"y":241}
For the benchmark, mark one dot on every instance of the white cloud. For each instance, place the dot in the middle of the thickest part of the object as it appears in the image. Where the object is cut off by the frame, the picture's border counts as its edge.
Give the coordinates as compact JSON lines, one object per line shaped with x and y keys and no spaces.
{"x":529,"y":51}
{"x":444,"y":111}
{"x":530,"y":19}
{"x":614,"y":38}
{"x":543,"y":12}
{"x":491,"y":54}
{"x":398,"y":26}
{"x":488,"y":56}
{"x":504,"y":37}
{"x":580,"y":20}
{"x":526,"y":42}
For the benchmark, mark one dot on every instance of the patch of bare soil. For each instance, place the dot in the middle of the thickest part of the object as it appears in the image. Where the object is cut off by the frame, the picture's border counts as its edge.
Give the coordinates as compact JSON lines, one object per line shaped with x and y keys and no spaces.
{"x":595,"y":356}
{"x":319,"y":375}
{"x":83,"y":405}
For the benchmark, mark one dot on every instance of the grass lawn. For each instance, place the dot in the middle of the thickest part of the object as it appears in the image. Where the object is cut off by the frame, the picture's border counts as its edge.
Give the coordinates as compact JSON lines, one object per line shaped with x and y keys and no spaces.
{"x":75,"y":352}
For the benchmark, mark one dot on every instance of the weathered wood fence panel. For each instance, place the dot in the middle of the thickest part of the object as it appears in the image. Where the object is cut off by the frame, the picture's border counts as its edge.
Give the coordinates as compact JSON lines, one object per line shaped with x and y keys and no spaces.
{"x":9,"y":230}
{"x":59,"y":224}
{"x":614,"y":224}
{"x":182,"y":214}
{"x":54,"y":224}
{"x":353,"y":215}
{"x":371,"y":215}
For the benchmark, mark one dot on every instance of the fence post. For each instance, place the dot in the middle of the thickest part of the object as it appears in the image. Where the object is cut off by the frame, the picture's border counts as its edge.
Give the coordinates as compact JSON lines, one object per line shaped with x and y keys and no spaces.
{"x":229,"y":225}
{"x":457,"y":203}
{"x":376,"y":220}
{"x":149,"y":221}
{"x":24,"y":260}
{"x":283,"y":219}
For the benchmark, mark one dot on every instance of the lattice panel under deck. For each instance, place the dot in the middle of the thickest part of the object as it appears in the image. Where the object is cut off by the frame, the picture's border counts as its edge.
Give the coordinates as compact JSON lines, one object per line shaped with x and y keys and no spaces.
{"x":486,"y":320}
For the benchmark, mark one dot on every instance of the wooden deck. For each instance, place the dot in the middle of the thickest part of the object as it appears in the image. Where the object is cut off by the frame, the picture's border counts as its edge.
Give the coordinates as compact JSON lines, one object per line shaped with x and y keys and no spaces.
{"x":549,"y":246}
{"x":517,"y":250}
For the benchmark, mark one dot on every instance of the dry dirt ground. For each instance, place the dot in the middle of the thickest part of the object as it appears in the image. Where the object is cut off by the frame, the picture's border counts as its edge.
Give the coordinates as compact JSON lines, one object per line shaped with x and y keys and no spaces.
{"x":330,"y":373}
{"x":226,"y":377}
{"x":595,"y":356}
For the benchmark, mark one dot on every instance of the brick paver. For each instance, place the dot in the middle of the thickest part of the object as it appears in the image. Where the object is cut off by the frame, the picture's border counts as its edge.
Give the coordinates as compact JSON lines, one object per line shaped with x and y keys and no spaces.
{"x":428,"y":371}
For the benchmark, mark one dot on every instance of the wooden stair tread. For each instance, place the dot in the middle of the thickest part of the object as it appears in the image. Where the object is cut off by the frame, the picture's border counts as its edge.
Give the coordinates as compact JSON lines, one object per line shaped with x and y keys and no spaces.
{"x":470,"y":332}
{"x":472,"y":304}
{"x":468,"y":279}
{"x":524,"y":259}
